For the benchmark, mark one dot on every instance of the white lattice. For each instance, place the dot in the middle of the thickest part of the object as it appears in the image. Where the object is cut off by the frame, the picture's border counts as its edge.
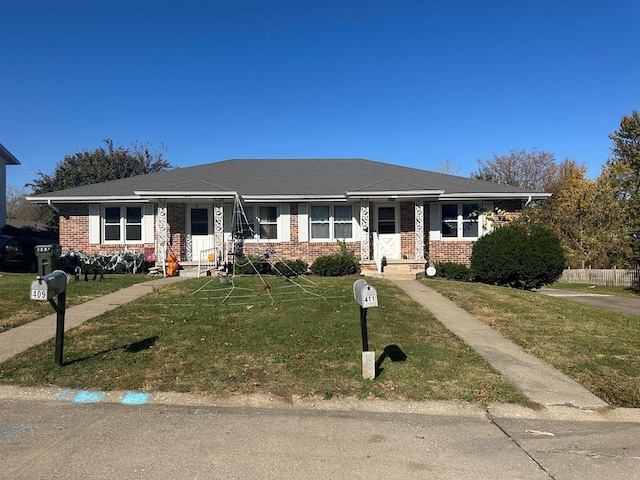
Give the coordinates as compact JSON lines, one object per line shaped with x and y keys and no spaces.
{"x":364,"y":224}
{"x":419,"y":229}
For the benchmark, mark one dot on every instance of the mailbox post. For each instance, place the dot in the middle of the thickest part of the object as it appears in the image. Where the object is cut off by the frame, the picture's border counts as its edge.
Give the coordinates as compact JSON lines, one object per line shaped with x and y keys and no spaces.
{"x":367,"y":297}
{"x":46,"y":288}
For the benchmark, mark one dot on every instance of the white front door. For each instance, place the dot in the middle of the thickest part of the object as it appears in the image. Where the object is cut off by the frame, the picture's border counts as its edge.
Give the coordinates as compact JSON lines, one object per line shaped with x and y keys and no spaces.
{"x":200,"y":225}
{"x":388,"y":228}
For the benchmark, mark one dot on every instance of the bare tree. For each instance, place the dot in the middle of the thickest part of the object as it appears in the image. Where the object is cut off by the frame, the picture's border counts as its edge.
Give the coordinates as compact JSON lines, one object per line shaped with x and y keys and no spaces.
{"x":533,"y":170}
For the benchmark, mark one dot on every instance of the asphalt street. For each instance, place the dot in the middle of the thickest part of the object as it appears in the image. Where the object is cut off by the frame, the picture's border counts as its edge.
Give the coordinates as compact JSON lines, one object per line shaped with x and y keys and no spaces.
{"x":46,"y":436}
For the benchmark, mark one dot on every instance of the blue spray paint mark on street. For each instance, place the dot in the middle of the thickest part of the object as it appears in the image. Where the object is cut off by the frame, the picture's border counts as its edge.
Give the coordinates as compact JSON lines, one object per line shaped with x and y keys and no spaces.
{"x":135,"y":398}
{"x":86,"y":396}
{"x":64,"y":395}
{"x":13,"y":433}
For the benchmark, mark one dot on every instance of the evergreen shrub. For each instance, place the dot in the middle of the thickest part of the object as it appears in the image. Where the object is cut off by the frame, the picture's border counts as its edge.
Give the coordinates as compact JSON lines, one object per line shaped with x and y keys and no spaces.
{"x":518,"y":257}
{"x":337,"y":264}
{"x":453,"y":271}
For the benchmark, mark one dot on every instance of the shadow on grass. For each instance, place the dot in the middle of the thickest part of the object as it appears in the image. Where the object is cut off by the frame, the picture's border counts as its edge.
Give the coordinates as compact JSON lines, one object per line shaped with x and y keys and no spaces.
{"x":393,"y":353}
{"x":134,"y":347}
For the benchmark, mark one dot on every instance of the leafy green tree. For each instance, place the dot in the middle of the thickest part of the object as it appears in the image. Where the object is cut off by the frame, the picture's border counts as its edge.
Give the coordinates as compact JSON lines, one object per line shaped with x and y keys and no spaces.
{"x":100,"y":165}
{"x":623,"y":169}
{"x":519,"y":168}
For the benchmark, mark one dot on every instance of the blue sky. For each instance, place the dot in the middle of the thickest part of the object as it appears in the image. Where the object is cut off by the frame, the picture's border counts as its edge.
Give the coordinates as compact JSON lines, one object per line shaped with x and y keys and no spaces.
{"x":413,"y":83}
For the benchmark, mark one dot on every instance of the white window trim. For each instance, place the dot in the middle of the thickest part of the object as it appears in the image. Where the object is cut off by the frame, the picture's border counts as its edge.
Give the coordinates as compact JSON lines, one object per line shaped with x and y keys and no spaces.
{"x":436,"y":221}
{"x":123,"y":224}
{"x":281,"y":218}
{"x":332,"y":223}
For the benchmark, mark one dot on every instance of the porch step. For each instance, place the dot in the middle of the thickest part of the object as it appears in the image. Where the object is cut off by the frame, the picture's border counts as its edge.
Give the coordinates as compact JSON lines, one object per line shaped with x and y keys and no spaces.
{"x":394,"y":275}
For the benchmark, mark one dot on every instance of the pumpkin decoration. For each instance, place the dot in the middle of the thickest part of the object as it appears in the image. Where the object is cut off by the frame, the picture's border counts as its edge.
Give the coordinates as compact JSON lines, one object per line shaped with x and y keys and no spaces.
{"x":174,"y":267}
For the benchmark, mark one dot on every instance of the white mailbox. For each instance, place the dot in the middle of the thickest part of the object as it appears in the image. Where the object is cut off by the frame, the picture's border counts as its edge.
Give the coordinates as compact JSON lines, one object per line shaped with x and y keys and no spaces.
{"x":365,"y":294}
{"x":47,"y":287}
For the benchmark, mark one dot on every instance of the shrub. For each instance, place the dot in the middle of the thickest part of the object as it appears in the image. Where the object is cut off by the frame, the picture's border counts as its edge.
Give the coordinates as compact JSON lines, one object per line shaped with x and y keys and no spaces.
{"x":337,"y":264}
{"x":518,"y":257}
{"x":253,"y":265}
{"x":453,"y":271}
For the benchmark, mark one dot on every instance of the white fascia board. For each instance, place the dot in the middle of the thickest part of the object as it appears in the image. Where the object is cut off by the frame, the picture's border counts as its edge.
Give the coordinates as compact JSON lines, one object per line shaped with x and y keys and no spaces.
{"x":86,"y":199}
{"x":397,"y":194}
{"x":293,"y":198}
{"x":485,"y":195}
{"x":184,"y":195}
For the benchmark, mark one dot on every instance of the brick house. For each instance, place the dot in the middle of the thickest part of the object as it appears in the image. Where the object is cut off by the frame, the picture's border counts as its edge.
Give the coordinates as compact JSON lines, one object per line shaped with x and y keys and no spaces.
{"x":298,"y":208}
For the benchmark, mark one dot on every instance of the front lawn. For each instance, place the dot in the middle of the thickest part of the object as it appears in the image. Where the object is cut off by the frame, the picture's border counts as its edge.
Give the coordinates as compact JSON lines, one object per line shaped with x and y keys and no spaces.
{"x":597,"y":348}
{"x":18,"y":308}
{"x":281,"y":339}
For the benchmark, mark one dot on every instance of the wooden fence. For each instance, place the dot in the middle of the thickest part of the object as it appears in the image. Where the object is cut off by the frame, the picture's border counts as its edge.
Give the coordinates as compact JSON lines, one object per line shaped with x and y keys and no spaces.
{"x":613,"y":278}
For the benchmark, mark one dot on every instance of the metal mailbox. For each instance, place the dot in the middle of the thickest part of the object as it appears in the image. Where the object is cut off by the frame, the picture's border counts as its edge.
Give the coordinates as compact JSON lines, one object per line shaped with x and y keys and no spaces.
{"x":365,"y":294}
{"x":49,"y":286}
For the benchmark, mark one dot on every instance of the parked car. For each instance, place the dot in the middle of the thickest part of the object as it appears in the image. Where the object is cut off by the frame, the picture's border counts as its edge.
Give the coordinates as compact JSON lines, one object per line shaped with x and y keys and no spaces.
{"x":18,"y":254}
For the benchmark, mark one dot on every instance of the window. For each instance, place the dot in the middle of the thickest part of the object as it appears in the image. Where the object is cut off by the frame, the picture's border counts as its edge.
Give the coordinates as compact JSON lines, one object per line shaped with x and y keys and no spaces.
{"x":387,"y":220}
{"x":331,"y":222}
{"x":320,"y":221}
{"x":199,"y":221}
{"x":122,"y":224}
{"x":460,"y":220}
{"x":342,"y":222}
{"x":268,"y":221}
{"x":261,"y":223}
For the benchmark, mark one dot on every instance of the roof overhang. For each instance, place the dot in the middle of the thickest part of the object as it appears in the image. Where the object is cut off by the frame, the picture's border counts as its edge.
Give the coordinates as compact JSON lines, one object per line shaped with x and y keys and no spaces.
{"x":396,"y":194}
{"x":493,"y":196}
{"x":85,"y":199}
{"x":9,"y":159}
{"x":180,"y":195}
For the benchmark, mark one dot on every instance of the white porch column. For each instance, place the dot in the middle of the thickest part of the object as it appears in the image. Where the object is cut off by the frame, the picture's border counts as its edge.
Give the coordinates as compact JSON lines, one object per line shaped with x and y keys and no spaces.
{"x":218,"y":227}
{"x":419,"y":229}
{"x":364,"y":225}
{"x":161,"y":228}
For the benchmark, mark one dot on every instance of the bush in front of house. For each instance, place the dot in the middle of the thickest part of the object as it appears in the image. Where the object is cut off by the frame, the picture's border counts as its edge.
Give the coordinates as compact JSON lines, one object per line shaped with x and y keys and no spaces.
{"x":337,"y":264}
{"x":453,"y":271}
{"x":255,"y":265}
{"x":519,"y":257}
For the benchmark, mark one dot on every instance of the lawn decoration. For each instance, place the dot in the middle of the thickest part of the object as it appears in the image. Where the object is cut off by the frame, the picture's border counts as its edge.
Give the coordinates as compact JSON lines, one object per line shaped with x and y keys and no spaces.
{"x":237,"y":261}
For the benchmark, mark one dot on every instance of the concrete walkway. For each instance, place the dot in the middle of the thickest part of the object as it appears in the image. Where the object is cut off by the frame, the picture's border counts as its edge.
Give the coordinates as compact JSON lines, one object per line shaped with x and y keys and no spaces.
{"x":540,"y":382}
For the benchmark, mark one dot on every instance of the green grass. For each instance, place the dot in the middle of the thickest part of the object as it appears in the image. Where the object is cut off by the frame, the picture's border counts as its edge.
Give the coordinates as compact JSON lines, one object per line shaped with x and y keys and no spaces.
{"x":279,"y":341}
{"x":581,"y":287}
{"x":597,"y":348}
{"x":18,"y":308}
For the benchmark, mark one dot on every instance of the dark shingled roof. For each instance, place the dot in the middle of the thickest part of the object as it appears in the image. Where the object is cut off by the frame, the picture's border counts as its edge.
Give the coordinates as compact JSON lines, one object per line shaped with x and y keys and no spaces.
{"x":290,"y":177}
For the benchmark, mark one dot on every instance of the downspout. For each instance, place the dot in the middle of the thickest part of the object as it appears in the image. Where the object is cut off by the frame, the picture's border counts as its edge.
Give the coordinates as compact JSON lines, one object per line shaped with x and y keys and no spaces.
{"x":55,"y":209}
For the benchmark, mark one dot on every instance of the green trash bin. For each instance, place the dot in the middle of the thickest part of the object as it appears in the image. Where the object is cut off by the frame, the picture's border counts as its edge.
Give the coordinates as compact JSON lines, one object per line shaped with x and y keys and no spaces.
{"x":48,"y":258}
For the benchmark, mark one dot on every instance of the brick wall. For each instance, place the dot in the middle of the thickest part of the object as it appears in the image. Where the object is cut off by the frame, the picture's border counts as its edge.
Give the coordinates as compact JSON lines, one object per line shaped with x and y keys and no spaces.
{"x":74,"y":234}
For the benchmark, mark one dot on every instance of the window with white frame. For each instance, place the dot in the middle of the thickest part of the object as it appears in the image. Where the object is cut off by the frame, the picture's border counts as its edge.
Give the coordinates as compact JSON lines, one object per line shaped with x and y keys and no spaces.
{"x":460,"y":220}
{"x":331,"y":222}
{"x":122,"y":224}
{"x":260,"y":223}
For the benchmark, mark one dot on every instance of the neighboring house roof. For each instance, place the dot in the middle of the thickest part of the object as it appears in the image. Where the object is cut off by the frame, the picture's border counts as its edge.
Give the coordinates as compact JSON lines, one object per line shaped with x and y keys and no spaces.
{"x":7,"y":156}
{"x":288,"y":179}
